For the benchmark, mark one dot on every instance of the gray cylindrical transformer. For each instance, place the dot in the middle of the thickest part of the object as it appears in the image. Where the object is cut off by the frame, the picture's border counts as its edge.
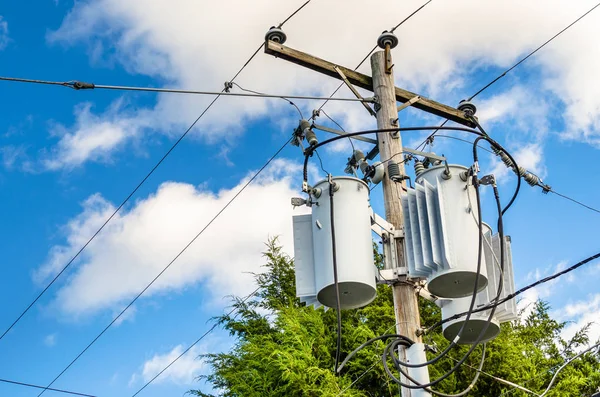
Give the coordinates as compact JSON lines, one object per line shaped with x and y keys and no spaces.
{"x":354,"y":244}
{"x":476,"y":322}
{"x":457,"y":212}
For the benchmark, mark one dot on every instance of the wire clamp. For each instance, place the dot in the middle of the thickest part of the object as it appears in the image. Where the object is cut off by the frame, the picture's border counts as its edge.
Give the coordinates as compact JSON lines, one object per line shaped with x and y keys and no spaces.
{"x":488,"y":180}
{"x":80,"y":85}
{"x":228,"y":86}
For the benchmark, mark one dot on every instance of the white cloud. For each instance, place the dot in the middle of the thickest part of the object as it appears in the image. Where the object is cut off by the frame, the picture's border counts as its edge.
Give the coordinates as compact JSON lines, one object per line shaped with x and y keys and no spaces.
{"x":4,"y":39}
{"x":542,"y":291}
{"x":183,"y":372}
{"x":94,"y":138}
{"x":140,"y":242}
{"x":50,"y":340}
{"x":191,"y":46}
{"x":579,"y":315}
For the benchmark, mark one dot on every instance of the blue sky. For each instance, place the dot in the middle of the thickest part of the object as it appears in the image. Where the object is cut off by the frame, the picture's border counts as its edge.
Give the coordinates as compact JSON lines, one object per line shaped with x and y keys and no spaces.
{"x":69,"y":157}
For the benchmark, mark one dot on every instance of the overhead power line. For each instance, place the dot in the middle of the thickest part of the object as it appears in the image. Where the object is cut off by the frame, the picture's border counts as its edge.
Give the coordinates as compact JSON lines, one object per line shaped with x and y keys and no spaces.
{"x":79,"y":85}
{"x":515,"y":65}
{"x":73,"y":393}
{"x":550,"y":190}
{"x":575,"y":201}
{"x":144,"y":179}
{"x":169,"y":264}
{"x":204,"y":335}
{"x":532,"y":53}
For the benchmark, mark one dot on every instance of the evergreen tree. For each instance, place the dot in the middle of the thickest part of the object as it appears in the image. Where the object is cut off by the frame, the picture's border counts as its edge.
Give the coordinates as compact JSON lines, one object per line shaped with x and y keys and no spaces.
{"x":284,"y":348}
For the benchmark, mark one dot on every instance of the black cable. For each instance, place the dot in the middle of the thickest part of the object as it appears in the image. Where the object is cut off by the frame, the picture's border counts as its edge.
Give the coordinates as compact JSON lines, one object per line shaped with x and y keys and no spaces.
{"x":260,"y":93}
{"x":12,"y":382}
{"x":531,"y":53}
{"x":142,"y":181}
{"x":390,"y":348}
{"x":520,"y":291}
{"x":193,"y":344}
{"x":310,"y":149}
{"x":463,"y":140}
{"x":169,"y":264}
{"x":499,"y":148}
{"x":367,"y":343}
{"x":293,"y":14}
{"x":338,"y":305}
{"x":369,"y":54}
{"x":321,"y":163}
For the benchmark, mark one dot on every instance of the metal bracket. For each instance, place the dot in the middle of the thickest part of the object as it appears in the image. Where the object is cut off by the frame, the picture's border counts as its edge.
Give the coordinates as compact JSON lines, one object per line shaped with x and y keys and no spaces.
{"x":394,"y":122}
{"x":409,"y":103}
{"x":388,"y":59}
{"x":389,"y":235}
{"x":354,"y":91}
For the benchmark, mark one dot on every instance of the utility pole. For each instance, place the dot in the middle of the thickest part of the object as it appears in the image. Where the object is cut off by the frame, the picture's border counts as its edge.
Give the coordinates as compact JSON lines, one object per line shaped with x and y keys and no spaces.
{"x":406,"y":305}
{"x":389,"y":145}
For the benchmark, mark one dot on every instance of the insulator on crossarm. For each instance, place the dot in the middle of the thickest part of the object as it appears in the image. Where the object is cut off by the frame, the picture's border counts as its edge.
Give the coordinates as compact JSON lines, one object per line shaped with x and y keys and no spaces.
{"x":419,"y":167}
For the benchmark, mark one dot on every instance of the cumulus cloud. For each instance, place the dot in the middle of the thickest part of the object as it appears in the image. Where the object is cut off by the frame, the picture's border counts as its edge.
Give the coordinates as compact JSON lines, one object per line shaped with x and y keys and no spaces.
{"x":184,"y":46}
{"x":140,"y":242}
{"x":183,"y":372}
{"x":4,"y":39}
{"x":581,"y":313}
{"x":94,"y":137}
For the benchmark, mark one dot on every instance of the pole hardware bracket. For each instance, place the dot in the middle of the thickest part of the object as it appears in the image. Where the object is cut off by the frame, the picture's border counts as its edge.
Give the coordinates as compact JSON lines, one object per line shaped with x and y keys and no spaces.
{"x":354,"y":91}
{"x":389,"y":237}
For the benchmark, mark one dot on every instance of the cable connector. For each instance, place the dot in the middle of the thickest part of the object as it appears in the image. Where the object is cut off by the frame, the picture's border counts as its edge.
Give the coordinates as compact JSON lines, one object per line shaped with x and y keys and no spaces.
{"x":80,"y":85}
{"x":228,"y":86}
{"x":298,"y":201}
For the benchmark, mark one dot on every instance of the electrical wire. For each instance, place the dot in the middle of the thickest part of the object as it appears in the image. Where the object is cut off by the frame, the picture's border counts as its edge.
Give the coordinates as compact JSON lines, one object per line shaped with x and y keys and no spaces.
{"x":338,"y":305}
{"x":169,"y":264}
{"x":260,"y":93}
{"x":513,"y":67}
{"x":520,"y":291}
{"x":573,"y":200}
{"x":125,"y":201}
{"x":391,"y":346}
{"x":160,"y":161}
{"x":321,"y":163}
{"x":556,"y":373}
{"x":204,"y":335}
{"x":12,"y":382}
{"x":89,"y":86}
{"x":532,"y":53}
{"x":550,"y":190}
{"x":340,"y":127}
{"x":357,"y":379}
{"x":369,"y":54}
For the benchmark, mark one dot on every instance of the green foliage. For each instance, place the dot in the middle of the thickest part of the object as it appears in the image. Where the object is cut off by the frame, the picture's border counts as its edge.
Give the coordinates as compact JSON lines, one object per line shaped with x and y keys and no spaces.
{"x":286,"y":349}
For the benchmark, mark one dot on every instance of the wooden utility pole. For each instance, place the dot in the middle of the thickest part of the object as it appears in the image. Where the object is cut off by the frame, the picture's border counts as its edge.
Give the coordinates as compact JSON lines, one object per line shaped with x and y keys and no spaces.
{"x":406,"y":305}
